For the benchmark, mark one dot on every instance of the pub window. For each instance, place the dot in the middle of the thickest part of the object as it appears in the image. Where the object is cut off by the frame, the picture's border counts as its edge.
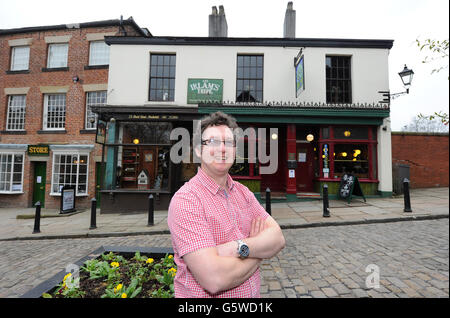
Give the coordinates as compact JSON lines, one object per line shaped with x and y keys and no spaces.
{"x":11,"y":172}
{"x":338,"y":80}
{"x":246,"y":145}
{"x":57,"y":55}
{"x":20,"y":58}
{"x":162,"y":77}
{"x":98,"y":53}
{"x":351,"y":133}
{"x":16,"y":112}
{"x":71,"y":170}
{"x":249,"y":79}
{"x":351,"y":158}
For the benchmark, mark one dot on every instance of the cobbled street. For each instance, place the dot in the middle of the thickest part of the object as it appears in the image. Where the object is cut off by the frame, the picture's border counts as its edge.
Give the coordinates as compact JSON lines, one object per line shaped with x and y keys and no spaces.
{"x":411,"y":258}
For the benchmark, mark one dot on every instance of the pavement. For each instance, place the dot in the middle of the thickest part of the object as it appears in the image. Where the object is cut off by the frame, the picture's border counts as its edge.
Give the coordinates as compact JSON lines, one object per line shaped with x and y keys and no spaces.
{"x":426,"y":204}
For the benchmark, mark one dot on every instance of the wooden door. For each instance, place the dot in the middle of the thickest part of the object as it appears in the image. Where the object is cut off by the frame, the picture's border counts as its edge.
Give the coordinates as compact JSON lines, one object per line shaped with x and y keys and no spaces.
{"x":39,"y":183}
{"x":150,"y":163}
{"x":305,"y":167}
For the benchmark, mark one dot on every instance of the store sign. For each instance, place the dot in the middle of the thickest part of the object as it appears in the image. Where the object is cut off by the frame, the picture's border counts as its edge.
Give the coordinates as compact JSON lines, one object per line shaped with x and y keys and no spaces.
{"x":38,"y":150}
{"x":100,"y":136}
{"x":299,"y":75}
{"x":201,"y":90}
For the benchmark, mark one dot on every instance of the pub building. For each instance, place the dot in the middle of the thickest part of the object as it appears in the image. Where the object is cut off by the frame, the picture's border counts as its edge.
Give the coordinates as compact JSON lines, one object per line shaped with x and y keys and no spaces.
{"x":321,"y":98}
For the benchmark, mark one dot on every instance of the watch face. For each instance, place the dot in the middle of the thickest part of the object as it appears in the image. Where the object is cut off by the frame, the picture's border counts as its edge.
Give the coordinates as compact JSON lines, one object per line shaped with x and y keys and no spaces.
{"x":244,"y":251}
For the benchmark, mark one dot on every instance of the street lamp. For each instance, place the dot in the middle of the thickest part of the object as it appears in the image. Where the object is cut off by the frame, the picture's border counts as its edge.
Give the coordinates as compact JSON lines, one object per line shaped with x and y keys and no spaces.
{"x":406,"y":76}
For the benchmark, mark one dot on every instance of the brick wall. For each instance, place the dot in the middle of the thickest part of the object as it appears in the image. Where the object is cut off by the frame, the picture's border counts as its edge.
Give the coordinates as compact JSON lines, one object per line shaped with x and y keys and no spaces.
{"x":35,"y":78}
{"x":427,"y":156}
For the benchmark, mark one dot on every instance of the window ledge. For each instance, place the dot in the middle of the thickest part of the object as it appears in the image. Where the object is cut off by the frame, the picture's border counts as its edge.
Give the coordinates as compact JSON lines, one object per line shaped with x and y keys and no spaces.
{"x":59,"y":194}
{"x":18,"y":72}
{"x":13,"y":132}
{"x":54,"y":69}
{"x":96,"y":67}
{"x":87,"y":131}
{"x":44,"y":132}
{"x":12,"y":192}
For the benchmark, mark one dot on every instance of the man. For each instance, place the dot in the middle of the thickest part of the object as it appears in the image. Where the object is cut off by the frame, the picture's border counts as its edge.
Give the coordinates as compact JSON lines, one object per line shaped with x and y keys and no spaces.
{"x":220,"y":232}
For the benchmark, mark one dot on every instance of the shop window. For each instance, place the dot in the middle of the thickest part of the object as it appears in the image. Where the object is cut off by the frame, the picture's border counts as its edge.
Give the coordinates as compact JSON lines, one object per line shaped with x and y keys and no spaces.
{"x":71,"y":170}
{"x":11,"y":172}
{"x":246,"y":162}
{"x":338,"y":80}
{"x":351,"y":158}
{"x":16,"y":112}
{"x":162,"y":77}
{"x":249,"y":79}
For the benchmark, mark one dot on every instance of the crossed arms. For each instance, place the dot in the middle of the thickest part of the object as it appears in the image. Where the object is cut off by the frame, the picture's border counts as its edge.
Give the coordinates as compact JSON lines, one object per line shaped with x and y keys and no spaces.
{"x":219,"y":268}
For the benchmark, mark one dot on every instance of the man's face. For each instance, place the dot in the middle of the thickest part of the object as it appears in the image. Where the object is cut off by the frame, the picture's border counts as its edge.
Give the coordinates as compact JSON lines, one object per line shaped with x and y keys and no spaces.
{"x":218,"y":149}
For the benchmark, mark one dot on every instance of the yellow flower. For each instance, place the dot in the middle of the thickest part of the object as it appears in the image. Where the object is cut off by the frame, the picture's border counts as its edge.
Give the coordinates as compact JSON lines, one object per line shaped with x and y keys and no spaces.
{"x":67,"y":276}
{"x":150,"y":260}
{"x":114,"y":264}
{"x":117,"y":288}
{"x":124,"y":295}
{"x":172,"y":271}
{"x":170,"y":256}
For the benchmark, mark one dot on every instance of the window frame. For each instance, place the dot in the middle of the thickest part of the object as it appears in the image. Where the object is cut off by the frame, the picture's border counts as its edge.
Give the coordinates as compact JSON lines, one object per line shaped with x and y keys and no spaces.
{"x":13,"y":59}
{"x":21,"y":113}
{"x":11,"y":178}
{"x":50,"y":45}
{"x":250,"y":78}
{"x":86,"y":115}
{"x":91,"y":53}
{"x":157,"y":78}
{"x":345,"y":81}
{"x":70,"y":153}
{"x":45,"y":117}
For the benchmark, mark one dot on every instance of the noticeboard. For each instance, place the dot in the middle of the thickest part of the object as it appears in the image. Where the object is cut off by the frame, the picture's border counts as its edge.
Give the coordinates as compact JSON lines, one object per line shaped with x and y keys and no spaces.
{"x":350,"y":186}
{"x":67,"y":199}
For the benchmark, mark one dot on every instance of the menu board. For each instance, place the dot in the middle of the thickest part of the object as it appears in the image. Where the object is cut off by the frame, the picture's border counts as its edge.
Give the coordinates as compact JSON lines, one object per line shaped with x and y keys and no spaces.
{"x":350,"y":186}
{"x":67,"y":199}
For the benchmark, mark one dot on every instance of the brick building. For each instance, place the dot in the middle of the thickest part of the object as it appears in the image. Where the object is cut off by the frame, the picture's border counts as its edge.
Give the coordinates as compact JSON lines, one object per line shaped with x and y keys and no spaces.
{"x":426,"y":154}
{"x":50,"y":76}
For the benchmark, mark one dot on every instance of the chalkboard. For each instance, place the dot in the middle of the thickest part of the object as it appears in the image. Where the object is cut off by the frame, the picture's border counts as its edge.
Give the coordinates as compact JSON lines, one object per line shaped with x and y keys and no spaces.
{"x":350,"y":186}
{"x":67,"y":199}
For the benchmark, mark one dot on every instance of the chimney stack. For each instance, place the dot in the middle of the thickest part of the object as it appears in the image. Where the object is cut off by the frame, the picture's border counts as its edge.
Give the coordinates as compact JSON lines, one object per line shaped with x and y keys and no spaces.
{"x":218,"y":26}
{"x":289,"y":22}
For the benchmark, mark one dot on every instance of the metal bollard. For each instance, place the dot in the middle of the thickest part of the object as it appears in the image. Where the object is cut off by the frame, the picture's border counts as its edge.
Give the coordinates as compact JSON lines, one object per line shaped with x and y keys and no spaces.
{"x":151,"y":209}
{"x":268,"y":202}
{"x":326,"y":204}
{"x":37,"y":218}
{"x":93,"y":214}
{"x":406,"y":196}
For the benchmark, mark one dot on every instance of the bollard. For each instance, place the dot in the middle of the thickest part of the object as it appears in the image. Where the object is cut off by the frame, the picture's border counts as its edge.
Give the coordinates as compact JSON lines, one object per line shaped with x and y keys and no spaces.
{"x":406,"y":196}
{"x":37,"y":218}
{"x":150,"y":210}
{"x":326,"y":205}
{"x":268,"y":202}
{"x":93,"y":214}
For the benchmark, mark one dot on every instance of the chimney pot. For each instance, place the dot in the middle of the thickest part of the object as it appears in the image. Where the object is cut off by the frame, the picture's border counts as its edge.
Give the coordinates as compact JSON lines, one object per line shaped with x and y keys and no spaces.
{"x":218,"y":26}
{"x":289,"y":21}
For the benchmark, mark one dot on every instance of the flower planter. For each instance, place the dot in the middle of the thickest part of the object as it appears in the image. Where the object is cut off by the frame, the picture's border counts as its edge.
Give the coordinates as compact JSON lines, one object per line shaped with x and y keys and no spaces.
{"x":50,"y":285}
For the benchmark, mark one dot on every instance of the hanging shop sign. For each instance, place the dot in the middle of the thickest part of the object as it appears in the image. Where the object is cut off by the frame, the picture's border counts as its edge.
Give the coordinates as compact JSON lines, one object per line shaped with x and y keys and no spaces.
{"x":201,"y":90}
{"x":100,"y":136}
{"x":299,"y":74}
{"x":38,"y":150}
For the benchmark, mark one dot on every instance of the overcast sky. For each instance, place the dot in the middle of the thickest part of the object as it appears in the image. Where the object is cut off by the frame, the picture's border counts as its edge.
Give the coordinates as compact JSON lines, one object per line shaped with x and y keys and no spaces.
{"x":403,"y":21}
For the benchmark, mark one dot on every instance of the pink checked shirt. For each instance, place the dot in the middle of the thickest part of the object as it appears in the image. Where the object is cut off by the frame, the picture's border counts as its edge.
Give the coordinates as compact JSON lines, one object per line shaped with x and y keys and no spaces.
{"x":202,"y":215}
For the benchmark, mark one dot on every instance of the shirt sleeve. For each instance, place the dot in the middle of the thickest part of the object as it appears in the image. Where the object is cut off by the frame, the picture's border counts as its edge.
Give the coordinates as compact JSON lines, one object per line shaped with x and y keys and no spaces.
{"x":255,"y":207}
{"x":188,"y":226}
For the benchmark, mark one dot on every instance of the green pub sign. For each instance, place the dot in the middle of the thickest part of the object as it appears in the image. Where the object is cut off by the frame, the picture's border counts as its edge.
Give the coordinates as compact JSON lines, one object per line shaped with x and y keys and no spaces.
{"x":201,"y":90}
{"x":38,"y":150}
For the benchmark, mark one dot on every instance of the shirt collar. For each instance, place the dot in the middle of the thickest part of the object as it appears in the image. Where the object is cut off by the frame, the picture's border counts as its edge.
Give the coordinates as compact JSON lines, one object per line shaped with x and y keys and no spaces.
{"x":212,"y":185}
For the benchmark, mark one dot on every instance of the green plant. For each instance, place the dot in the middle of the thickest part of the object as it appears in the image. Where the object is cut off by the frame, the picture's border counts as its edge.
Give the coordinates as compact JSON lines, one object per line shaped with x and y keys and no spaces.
{"x":122,"y":292}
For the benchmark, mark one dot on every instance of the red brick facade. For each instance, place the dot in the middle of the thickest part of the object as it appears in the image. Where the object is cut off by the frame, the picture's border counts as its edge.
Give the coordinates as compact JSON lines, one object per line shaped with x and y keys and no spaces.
{"x":36,"y":82}
{"x":427,"y":156}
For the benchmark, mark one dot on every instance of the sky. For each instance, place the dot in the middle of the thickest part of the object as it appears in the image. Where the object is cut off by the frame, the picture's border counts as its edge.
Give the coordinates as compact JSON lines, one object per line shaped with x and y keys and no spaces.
{"x":403,"y":21}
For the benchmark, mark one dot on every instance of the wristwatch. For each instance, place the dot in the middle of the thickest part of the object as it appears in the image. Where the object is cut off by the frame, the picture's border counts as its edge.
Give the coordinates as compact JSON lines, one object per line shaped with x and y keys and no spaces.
{"x":243,"y":249}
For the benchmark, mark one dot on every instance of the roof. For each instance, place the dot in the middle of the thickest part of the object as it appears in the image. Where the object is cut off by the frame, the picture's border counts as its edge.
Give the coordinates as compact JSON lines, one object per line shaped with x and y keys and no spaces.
{"x":284,"y":42}
{"x":104,"y":23}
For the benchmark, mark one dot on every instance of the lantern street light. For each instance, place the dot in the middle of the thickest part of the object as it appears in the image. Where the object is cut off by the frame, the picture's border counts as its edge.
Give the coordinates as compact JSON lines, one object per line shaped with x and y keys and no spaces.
{"x":406,"y":75}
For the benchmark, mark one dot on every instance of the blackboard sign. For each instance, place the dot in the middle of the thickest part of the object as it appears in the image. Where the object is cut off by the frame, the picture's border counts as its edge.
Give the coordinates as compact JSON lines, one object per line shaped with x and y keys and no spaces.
{"x":67,"y":199}
{"x":350,"y":186}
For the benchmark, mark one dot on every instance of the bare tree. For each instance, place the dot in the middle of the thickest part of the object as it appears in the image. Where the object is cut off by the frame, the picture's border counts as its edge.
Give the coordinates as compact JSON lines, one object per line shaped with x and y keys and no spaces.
{"x":425,"y":124}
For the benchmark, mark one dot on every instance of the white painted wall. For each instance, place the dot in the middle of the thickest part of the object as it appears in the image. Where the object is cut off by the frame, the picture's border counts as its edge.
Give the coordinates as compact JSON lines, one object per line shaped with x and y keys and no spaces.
{"x":384,"y":154}
{"x":129,"y":72}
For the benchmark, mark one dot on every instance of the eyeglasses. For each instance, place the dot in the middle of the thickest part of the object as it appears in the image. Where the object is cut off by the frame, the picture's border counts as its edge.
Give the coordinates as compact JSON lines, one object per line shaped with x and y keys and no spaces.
{"x":216,"y":142}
